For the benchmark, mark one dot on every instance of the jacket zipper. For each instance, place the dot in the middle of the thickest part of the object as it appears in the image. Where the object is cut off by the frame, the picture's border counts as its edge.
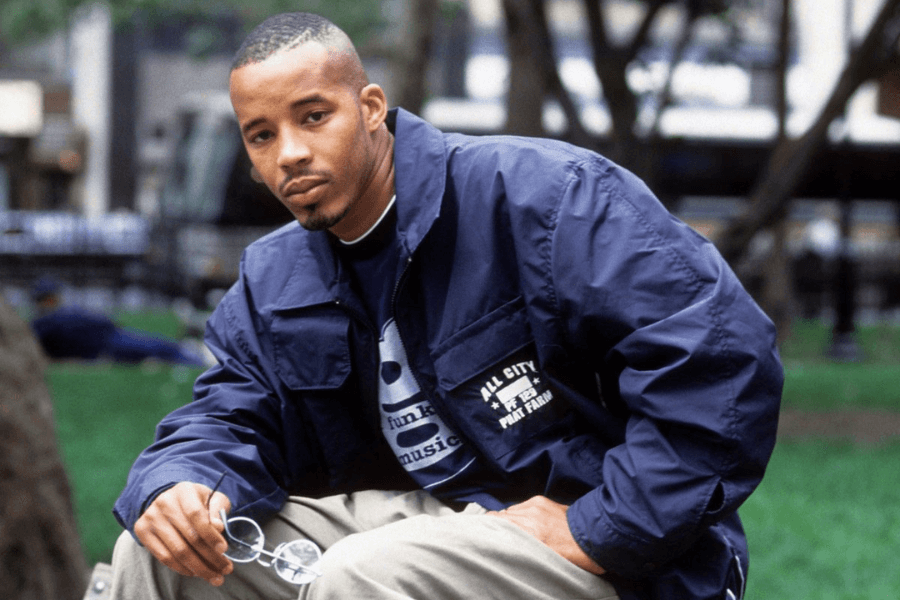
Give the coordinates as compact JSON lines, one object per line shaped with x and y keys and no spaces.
{"x":431,"y":397}
{"x":360,"y":317}
{"x":394,"y":296}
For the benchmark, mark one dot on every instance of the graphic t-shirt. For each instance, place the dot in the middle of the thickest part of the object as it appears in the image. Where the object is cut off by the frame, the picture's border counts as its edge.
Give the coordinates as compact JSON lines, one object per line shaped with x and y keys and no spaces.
{"x":432,"y":453}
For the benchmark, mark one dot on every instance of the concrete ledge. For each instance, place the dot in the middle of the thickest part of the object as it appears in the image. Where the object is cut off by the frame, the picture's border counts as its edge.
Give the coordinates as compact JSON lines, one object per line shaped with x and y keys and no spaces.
{"x":100,"y":587}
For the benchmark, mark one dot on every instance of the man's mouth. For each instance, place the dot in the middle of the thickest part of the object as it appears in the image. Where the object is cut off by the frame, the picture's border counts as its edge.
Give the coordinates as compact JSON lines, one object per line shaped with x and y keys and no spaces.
{"x":301,"y":186}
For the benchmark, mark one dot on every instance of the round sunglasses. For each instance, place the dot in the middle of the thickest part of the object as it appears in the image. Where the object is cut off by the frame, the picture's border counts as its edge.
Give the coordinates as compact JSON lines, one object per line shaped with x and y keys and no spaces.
{"x":293,"y":561}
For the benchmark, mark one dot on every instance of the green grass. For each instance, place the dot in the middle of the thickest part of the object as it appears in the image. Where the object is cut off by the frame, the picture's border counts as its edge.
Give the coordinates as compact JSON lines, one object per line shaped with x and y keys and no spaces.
{"x":842,"y":386}
{"x":105,"y":415}
{"x":158,"y":322}
{"x":808,"y":344}
{"x":814,"y":382}
{"x":823,"y":525}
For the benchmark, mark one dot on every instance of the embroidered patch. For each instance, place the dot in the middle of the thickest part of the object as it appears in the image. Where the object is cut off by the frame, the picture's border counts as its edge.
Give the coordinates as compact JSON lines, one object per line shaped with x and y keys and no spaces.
{"x":515,"y":390}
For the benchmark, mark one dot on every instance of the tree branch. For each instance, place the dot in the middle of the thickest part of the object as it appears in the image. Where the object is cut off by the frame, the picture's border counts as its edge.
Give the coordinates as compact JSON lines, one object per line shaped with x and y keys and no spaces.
{"x":639,"y":40}
{"x":610,"y":64}
{"x":791,"y":158}
{"x":664,"y":97}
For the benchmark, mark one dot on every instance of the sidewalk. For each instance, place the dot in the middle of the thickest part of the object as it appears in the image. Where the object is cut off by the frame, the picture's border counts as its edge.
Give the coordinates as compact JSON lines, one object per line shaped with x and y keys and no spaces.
{"x":864,"y":427}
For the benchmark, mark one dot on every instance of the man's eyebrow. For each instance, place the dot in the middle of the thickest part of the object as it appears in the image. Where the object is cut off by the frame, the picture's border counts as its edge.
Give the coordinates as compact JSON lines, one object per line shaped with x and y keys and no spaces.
{"x":250,"y":125}
{"x":297,"y":104}
{"x":308,"y":100}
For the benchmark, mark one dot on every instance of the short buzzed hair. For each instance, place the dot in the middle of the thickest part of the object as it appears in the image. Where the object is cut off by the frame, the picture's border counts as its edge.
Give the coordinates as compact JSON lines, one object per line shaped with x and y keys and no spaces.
{"x":286,"y":31}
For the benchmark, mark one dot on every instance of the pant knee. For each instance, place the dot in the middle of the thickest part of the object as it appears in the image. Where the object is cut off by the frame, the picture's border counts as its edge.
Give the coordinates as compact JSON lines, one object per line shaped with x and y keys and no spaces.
{"x":127,"y":551}
{"x":357,"y":555}
{"x":365,"y":565}
{"x":399,"y":560}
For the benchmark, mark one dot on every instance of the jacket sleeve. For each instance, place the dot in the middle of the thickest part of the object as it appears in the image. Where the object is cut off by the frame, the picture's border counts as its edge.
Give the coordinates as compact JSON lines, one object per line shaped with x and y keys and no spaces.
{"x":682,"y":349}
{"x":232,"y":426}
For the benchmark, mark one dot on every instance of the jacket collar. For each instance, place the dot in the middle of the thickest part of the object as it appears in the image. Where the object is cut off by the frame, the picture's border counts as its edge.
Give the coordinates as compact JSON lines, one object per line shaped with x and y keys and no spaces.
{"x":420,"y":174}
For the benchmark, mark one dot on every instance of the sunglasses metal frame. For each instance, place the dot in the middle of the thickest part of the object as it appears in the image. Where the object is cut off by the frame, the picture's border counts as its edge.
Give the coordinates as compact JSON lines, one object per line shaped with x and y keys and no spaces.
{"x":258,"y":551}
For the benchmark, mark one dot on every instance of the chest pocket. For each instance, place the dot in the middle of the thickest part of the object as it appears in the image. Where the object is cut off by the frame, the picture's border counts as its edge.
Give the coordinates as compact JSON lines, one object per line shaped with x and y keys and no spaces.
{"x":490,"y":379}
{"x":312,"y":351}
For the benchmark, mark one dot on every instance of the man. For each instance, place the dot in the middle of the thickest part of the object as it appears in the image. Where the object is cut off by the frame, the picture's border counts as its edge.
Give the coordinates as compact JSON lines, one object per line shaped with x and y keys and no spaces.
{"x":73,"y":333}
{"x":475,"y":368}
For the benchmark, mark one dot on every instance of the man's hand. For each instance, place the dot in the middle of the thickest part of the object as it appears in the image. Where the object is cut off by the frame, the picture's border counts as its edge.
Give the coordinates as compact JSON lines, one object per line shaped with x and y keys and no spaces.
{"x":546,"y":520}
{"x":186,"y":536}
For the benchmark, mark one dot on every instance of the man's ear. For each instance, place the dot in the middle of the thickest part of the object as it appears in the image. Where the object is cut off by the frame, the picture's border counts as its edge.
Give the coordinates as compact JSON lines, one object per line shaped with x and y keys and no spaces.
{"x":374,"y":106}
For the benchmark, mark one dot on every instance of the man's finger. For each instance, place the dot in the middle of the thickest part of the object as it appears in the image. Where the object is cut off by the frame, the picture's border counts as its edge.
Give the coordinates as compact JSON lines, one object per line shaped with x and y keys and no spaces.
{"x":195,"y":525}
{"x":184,"y":549}
{"x":179,"y":532}
{"x":545,"y":520}
{"x":213,"y":529}
{"x":158,"y":549}
{"x":166,"y":543}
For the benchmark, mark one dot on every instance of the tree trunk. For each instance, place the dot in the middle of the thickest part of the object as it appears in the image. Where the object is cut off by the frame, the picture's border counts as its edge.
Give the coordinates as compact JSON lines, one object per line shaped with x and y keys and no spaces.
{"x":533,"y":74}
{"x":40,"y":552}
{"x":527,"y":85}
{"x":645,"y":162}
{"x":414,"y":54}
{"x":777,"y":297}
{"x":610,"y":64}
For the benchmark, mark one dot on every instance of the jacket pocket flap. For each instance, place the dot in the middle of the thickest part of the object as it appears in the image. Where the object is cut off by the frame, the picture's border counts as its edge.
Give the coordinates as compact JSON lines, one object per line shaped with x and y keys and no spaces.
{"x":311,"y":352}
{"x":482,"y":344}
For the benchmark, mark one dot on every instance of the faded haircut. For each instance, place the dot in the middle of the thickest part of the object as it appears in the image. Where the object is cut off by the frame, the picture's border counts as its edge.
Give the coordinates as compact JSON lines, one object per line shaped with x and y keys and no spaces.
{"x":287,"y":31}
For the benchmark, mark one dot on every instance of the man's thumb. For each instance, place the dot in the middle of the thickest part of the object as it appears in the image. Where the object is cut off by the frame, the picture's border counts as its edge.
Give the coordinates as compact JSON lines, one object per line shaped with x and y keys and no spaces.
{"x":217,"y":503}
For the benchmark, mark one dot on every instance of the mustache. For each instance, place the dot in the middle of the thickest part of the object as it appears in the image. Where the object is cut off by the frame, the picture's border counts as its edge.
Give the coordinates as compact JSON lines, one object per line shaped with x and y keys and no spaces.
{"x":299,"y":174}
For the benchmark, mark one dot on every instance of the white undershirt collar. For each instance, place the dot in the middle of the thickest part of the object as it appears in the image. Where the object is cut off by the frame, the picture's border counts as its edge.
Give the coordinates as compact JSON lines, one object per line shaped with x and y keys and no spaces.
{"x":387,"y":209}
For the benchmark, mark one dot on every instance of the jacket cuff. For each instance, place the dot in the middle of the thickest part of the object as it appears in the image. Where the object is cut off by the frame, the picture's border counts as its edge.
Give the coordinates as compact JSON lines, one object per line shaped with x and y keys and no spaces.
{"x":620,"y":554}
{"x":138,"y":496}
{"x":135,"y":499}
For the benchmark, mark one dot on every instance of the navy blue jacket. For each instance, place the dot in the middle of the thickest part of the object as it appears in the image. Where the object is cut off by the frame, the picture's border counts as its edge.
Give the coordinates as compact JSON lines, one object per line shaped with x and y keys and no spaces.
{"x":663,"y":373}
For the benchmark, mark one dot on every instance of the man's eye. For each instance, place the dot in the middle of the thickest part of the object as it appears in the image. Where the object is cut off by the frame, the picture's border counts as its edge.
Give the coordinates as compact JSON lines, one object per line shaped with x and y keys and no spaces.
{"x":262,"y":136}
{"x":316,"y":116}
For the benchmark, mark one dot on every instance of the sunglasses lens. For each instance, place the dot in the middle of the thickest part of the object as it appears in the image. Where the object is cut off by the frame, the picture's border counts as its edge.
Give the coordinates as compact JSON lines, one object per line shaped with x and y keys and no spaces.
{"x":290,"y":557}
{"x":245,"y":539}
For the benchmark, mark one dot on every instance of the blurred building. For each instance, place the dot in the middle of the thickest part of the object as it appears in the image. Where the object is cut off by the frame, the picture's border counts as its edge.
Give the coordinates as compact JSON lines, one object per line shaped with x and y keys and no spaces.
{"x":722,"y":89}
{"x":123,"y":85}
{"x":125,"y":135}
{"x":83,"y":118}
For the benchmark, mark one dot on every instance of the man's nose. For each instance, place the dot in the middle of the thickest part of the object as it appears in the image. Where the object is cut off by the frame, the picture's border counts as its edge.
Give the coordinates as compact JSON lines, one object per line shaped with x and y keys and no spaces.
{"x":293,"y":151}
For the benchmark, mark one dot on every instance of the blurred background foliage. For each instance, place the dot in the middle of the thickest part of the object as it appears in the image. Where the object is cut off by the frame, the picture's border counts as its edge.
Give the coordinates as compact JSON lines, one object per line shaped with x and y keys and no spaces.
{"x":28,"y":20}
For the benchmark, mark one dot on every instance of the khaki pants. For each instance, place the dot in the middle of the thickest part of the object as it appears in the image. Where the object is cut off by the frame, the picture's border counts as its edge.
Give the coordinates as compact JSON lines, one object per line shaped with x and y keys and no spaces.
{"x":380,"y":545}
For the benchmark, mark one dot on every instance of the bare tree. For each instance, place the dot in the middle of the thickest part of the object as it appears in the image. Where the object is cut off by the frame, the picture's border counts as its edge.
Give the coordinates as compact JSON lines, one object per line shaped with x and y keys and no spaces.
{"x":791,"y":158}
{"x":40,"y":550}
{"x":533,"y":65}
{"x":611,"y":64}
{"x":527,"y":68}
{"x":534,"y":76}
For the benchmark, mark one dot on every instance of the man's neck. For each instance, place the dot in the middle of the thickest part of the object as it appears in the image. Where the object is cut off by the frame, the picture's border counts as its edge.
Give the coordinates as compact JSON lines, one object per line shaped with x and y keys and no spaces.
{"x":377,"y":195}
{"x":373,"y":227}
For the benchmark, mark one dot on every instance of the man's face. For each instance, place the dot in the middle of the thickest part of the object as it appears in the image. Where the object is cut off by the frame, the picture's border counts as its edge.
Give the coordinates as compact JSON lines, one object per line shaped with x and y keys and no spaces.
{"x":306,"y":132}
